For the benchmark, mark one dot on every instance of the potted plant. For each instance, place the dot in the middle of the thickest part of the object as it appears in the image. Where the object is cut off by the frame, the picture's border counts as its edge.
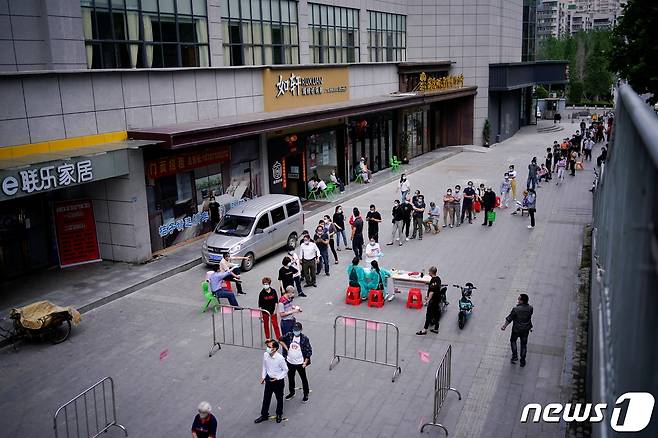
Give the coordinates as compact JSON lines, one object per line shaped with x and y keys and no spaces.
{"x":486,"y":133}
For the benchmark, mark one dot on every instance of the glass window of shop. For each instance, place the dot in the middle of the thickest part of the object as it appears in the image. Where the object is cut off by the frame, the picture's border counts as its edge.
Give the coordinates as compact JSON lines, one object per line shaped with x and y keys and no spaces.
{"x":321,"y":156}
{"x":371,"y":138}
{"x":334,"y":34}
{"x":146,"y":33}
{"x":413,"y":141}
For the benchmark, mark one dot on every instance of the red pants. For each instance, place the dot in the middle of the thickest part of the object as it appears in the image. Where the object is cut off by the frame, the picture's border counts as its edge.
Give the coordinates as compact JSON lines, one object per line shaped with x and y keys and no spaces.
{"x":275,"y":324}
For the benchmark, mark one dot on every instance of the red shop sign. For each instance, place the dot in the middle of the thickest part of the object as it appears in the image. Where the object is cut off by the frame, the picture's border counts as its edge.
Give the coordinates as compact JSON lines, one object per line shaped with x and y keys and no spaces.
{"x":76,"y":233}
{"x":186,"y":161}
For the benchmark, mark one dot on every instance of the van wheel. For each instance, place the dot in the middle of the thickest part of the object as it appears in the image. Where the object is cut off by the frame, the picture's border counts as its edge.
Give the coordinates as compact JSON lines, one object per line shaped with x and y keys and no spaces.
{"x":292,"y":241}
{"x":248,"y":263}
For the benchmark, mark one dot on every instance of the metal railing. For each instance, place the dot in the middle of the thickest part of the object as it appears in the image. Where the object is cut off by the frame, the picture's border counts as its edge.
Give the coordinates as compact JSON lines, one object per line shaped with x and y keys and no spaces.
{"x":376,"y":352}
{"x":90,"y":413}
{"x":232,"y":334}
{"x":623,"y":298}
{"x":441,"y":389}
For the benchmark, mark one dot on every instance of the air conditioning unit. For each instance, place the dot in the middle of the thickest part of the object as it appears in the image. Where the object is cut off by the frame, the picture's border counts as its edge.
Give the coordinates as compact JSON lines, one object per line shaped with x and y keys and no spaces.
{"x":553,"y":95}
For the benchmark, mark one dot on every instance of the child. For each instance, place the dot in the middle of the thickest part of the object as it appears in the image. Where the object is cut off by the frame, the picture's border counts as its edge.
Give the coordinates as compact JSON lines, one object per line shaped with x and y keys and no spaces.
{"x":544,"y":173}
{"x":522,"y":204}
{"x":505,"y":188}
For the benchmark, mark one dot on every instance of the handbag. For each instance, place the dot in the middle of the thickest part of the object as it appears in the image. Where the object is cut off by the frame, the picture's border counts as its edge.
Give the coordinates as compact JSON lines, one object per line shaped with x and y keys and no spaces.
{"x":477,"y":206}
{"x":491,"y":216}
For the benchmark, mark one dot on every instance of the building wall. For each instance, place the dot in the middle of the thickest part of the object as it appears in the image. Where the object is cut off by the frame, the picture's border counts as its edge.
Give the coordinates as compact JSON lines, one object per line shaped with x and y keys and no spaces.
{"x":41,"y":35}
{"x":504,"y":114}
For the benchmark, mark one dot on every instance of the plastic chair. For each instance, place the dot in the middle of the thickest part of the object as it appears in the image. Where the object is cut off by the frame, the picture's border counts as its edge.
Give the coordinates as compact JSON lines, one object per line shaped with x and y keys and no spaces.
{"x":395,"y":166}
{"x":208,"y":295}
{"x":415,"y":299}
{"x":375,"y":298}
{"x":353,"y":296}
{"x":329,"y":191}
{"x":313,"y":193}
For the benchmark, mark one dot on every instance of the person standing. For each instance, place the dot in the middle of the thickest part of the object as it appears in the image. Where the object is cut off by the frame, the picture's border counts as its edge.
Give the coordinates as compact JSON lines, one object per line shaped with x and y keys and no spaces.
{"x":548,"y":161}
{"x":467,"y":203}
{"x":213,"y":210}
{"x":433,"y":302}
{"x":573,"y":156}
{"x":556,"y":156}
{"x":532,"y":207}
{"x":373,"y":251}
{"x":309,"y":255}
{"x":505,"y":187}
{"x":289,"y":275}
{"x":398,"y":216}
{"x":287,"y":310}
{"x":205,"y":423}
{"x":215,"y":282}
{"x":532,"y":174}
{"x":448,"y":200}
{"x":298,"y":351}
{"x":404,"y":187}
{"x":407,"y":209}
{"x":268,"y":300}
{"x":561,"y":167}
{"x":273,"y":376}
{"x":374,"y":218}
{"x":330,"y":229}
{"x":321,"y":239}
{"x":339,"y":222}
{"x":587,"y":148}
{"x":489,"y":201}
{"x":511,"y":173}
{"x":457,"y":204}
{"x":418,"y":203}
{"x":521,"y":319}
{"x":357,"y":234}
{"x":225,"y":265}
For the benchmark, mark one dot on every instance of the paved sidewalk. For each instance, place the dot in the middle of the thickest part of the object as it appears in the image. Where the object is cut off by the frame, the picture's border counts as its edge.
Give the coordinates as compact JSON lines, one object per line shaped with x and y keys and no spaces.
{"x":157,"y":393}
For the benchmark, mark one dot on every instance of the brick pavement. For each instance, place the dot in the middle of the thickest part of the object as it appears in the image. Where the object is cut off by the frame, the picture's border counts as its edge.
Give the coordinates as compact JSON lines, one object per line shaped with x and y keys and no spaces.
{"x":124,"y":338}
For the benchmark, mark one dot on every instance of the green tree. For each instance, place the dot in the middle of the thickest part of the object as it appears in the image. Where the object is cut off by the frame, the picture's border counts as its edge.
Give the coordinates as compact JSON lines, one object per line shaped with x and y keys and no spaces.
{"x":634,"y":52}
{"x":576,"y":89}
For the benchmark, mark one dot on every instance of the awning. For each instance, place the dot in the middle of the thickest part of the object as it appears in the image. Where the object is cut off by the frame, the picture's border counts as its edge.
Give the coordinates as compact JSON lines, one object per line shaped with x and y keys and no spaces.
{"x":38,"y":173}
{"x":515,"y":75}
{"x":182,"y":135}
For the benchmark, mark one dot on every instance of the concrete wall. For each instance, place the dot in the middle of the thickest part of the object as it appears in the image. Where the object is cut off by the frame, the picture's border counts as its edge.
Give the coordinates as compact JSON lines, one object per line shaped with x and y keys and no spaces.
{"x":41,"y":35}
{"x":504,"y":114}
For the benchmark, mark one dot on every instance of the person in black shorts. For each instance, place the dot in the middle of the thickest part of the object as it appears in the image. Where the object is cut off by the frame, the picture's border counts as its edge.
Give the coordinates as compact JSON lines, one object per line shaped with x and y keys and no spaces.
{"x":374,"y":218}
{"x":434,"y":298}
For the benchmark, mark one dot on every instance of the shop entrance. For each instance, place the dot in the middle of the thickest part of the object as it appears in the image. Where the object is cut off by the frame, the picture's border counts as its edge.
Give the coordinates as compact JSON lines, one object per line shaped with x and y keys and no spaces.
{"x":294,"y":183}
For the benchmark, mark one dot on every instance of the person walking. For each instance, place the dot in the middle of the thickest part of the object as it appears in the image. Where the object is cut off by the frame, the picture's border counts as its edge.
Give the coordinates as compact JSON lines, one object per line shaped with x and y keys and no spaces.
{"x":505,"y":188}
{"x":457,"y":204}
{"x":213,"y":210}
{"x":433,"y":302}
{"x":373,"y":218}
{"x":561,"y":167}
{"x":556,"y":156}
{"x":403,"y":187}
{"x":357,"y":234}
{"x":330,"y":229}
{"x":273,"y":376}
{"x":532,"y":207}
{"x":511,"y":173}
{"x":321,"y":239}
{"x":309,"y":255}
{"x":268,"y":300}
{"x":205,"y":423}
{"x":489,"y":203}
{"x":418,"y":203}
{"x":448,"y":200}
{"x":548,"y":162}
{"x":297,"y":351}
{"x":467,"y":203}
{"x":287,"y":310}
{"x":533,"y":168}
{"x":225,"y":265}
{"x":407,"y":209}
{"x":339,"y":222}
{"x":521,"y":319}
{"x":398,"y":216}
{"x":216,"y":280}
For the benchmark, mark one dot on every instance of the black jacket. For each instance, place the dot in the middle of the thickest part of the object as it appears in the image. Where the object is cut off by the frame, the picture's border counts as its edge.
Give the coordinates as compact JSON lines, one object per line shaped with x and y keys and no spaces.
{"x":489,"y":200}
{"x":398,"y":214}
{"x":521,"y":318}
{"x":304,"y":343}
{"x":406,"y":211}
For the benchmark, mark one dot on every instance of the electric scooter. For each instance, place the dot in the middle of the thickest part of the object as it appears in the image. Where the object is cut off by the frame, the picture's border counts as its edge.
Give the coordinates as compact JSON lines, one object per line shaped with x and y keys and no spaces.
{"x":465,"y":303}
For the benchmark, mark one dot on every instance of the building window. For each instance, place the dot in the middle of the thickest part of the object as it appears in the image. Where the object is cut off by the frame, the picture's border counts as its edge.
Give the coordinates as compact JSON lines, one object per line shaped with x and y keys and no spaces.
{"x":334,"y":34}
{"x":260,"y":32}
{"x":145,"y":33}
{"x":387,"y":37}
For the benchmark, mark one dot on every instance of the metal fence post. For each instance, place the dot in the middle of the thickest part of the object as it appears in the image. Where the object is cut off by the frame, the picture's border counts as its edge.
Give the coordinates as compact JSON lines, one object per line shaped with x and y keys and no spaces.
{"x":240,"y":340}
{"x":441,"y":389}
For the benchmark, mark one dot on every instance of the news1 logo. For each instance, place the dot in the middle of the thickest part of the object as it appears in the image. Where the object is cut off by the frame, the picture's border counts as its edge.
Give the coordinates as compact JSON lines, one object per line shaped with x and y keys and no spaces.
{"x":631,"y":413}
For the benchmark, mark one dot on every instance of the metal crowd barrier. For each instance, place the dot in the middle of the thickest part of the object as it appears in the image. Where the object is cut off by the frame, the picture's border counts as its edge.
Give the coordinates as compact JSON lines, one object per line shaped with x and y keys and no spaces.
{"x":441,"y":389}
{"x":232,"y":328}
{"x":90,"y":413}
{"x":373,"y":348}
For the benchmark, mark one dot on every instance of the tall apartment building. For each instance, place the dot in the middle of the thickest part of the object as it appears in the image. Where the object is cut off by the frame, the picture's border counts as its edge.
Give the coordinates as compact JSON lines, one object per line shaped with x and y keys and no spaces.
{"x":567,"y":17}
{"x":122,"y":117}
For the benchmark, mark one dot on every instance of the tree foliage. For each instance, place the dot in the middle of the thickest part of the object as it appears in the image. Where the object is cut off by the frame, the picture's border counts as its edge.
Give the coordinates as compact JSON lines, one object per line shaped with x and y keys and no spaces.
{"x":589,"y":72}
{"x":634,"y":52}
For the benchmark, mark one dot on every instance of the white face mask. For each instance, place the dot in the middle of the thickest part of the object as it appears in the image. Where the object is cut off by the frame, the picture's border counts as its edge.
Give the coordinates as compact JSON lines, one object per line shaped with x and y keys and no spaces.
{"x":266,"y":286}
{"x":268,"y":350}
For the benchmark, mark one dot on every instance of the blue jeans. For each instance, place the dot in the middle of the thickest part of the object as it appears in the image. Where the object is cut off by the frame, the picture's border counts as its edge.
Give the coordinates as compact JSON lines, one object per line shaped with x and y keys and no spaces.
{"x":286,"y":326}
{"x":340,"y":234}
{"x":230,"y":296}
{"x":324,"y":260}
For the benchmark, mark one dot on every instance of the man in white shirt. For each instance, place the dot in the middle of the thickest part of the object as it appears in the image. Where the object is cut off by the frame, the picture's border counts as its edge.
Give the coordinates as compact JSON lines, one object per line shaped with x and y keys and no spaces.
{"x":226,"y":265}
{"x":274,"y":372}
{"x":309,"y":255}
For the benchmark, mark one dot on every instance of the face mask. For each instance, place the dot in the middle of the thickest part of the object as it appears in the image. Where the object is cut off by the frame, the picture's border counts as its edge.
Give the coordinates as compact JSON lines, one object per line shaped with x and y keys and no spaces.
{"x":306,"y":241}
{"x":268,"y":350}
{"x":449,"y":193}
{"x":203,"y":414}
{"x":296,"y":332}
{"x":266,"y":286}
{"x":456,"y":190}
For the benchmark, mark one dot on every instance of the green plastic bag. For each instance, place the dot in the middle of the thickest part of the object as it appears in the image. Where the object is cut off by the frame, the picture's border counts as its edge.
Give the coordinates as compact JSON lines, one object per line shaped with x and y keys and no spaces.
{"x":491,"y":216}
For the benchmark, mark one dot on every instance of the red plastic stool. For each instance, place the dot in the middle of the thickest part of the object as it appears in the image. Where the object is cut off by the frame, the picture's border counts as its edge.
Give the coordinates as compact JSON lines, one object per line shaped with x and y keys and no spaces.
{"x":375,"y":298}
{"x":415,"y":299}
{"x":227,"y":286}
{"x":353,"y":296}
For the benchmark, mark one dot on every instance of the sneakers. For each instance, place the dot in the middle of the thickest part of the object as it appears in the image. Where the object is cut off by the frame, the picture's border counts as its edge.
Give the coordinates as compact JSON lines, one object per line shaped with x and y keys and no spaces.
{"x":434,"y":331}
{"x":407,"y":239}
{"x":530,"y":227}
{"x":522,"y":362}
{"x":513,"y":360}
{"x":305,"y":399}
{"x":421,"y":332}
{"x":389,"y":244}
{"x":279,"y":418}
{"x":289,"y":396}
{"x":302,"y":294}
{"x":400,"y":244}
{"x":261,"y":419}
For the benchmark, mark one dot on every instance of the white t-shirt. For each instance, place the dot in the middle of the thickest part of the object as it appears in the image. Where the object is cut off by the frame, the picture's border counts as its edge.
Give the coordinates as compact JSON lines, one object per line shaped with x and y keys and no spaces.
{"x":322,"y":185}
{"x":295,"y":355}
{"x":372,"y":252}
